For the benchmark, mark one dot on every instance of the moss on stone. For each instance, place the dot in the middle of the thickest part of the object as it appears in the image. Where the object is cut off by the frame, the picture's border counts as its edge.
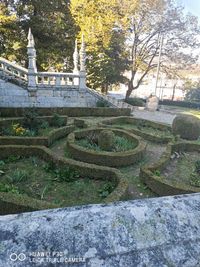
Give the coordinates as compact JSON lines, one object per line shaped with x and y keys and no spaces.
{"x":106,"y":140}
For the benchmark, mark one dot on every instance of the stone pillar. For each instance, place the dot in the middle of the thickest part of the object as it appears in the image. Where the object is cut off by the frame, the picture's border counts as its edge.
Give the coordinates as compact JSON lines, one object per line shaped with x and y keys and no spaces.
{"x":76,"y":58}
{"x":76,"y":61}
{"x":32,"y":69}
{"x":82,"y":84}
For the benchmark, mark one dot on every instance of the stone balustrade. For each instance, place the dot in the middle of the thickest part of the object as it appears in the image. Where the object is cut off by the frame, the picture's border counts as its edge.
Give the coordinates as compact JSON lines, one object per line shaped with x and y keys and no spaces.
{"x":57,"y":79}
{"x":13,"y":70}
{"x":42,"y":79}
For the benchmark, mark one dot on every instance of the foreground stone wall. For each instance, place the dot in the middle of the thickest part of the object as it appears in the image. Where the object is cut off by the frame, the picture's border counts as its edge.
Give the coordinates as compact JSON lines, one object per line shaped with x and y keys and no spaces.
{"x":151,"y":232}
{"x":12,"y":95}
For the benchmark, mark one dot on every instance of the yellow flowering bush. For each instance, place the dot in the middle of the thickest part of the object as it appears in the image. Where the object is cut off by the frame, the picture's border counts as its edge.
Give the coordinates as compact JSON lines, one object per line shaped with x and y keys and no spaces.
{"x":18,"y":130}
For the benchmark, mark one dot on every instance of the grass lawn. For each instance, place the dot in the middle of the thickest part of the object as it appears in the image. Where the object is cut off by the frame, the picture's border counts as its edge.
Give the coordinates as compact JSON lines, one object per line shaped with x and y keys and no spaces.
{"x":183,"y":110}
{"x":193,"y":112}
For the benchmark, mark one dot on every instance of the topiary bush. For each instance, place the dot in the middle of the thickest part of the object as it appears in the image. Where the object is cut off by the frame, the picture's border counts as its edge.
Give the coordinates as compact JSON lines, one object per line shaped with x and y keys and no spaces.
{"x":187,"y":126}
{"x":57,"y":120}
{"x":138,"y":102}
{"x":31,"y":120}
{"x":102,"y":103}
{"x":106,"y":140}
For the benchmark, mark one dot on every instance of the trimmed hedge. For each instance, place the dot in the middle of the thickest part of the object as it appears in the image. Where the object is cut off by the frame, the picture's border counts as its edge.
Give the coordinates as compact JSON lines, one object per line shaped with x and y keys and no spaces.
{"x":72,"y":112}
{"x":10,"y":203}
{"x":159,"y":184}
{"x":6,"y":122}
{"x":80,"y":123}
{"x":136,"y":102}
{"x":185,"y":104}
{"x":104,"y":158}
{"x":38,"y":140}
{"x":147,"y":136}
{"x":186,"y":126}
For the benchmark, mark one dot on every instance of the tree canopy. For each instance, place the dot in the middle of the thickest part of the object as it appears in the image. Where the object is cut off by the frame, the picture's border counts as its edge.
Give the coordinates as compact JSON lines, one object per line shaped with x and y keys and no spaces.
{"x":53,"y":28}
{"x":120,"y":35}
{"x":153,"y":22}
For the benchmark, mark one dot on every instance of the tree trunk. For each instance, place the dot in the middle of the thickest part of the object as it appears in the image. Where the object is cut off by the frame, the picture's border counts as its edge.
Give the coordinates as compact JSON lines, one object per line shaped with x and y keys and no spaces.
{"x":130,"y":89}
{"x":174,"y":90}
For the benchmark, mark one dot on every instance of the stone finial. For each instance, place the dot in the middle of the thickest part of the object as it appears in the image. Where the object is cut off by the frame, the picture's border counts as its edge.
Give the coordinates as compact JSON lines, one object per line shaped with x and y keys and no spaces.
{"x":82,"y":55}
{"x":76,"y":57}
{"x":32,"y":68}
{"x":31,"y":42}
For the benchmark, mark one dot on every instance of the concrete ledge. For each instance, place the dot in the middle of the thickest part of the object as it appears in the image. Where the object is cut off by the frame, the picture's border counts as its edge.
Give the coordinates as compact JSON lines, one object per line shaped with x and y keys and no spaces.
{"x":151,"y":232}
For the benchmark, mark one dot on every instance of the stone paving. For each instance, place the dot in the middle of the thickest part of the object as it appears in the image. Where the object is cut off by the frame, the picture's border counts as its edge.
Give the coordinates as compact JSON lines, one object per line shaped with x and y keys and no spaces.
{"x":157,"y":116}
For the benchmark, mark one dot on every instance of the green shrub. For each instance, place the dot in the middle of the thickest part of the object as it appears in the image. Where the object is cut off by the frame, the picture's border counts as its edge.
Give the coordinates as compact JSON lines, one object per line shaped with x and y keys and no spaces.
{"x":12,"y":158}
{"x":18,"y":176}
{"x":123,"y":144}
{"x":187,"y":126}
{"x":31,"y":120}
{"x":44,"y":124}
{"x":7,"y":131}
{"x":88,"y":144}
{"x":197,"y":166}
{"x":106,"y":140}
{"x":66,"y":174}
{"x":9,"y":188}
{"x":195,"y":179}
{"x":106,"y":190}
{"x":102,"y":103}
{"x":57,"y":120}
{"x":138,"y":102}
{"x":185,"y":104}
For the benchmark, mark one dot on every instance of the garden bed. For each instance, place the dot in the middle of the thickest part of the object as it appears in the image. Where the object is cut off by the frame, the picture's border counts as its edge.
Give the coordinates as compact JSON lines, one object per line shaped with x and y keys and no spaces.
{"x":30,"y":184}
{"x":175,"y":172}
{"x":53,"y":135}
{"x":131,"y":150}
{"x":151,"y":131}
{"x":60,"y":186}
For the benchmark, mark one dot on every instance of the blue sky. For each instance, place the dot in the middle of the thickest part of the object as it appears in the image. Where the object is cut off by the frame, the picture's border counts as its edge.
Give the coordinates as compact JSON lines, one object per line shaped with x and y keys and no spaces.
{"x":192,"y":6}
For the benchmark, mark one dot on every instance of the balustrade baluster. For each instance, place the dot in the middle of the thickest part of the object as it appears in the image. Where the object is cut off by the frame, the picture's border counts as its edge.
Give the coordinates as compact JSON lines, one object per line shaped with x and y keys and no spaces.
{"x":58,"y":81}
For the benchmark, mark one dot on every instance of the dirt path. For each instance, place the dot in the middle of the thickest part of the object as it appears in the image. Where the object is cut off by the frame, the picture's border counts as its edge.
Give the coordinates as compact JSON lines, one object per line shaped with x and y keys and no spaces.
{"x":136,"y":188}
{"x":59,"y":147}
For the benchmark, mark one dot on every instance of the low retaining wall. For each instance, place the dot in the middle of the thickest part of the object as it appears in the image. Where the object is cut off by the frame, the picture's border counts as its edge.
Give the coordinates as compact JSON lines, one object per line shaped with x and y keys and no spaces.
{"x":154,"y":232}
{"x":161,"y":185}
{"x":112,"y":159}
{"x":147,"y":136}
{"x":72,"y":112}
{"x":6,"y":122}
{"x":38,"y":140}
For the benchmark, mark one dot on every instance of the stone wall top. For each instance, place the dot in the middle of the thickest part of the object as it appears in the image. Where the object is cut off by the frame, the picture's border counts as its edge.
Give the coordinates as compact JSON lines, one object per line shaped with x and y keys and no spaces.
{"x":151,"y":232}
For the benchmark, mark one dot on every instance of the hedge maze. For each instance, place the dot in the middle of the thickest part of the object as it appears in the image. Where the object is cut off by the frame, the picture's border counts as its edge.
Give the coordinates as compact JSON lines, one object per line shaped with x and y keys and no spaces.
{"x":77,"y":160}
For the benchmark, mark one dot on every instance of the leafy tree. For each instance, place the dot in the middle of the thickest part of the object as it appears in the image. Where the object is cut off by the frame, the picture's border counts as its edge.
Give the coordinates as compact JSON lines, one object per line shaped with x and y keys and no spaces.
{"x":9,"y":33}
{"x":147,"y":23}
{"x":193,"y":90}
{"x":52,"y":26}
{"x":105,"y":42}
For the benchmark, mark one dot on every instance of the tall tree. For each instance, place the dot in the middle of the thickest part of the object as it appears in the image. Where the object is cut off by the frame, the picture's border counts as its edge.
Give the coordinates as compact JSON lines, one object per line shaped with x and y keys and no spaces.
{"x":53,"y":29}
{"x":106,"y":51}
{"x":9,"y":33}
{"x":52,"y":26}
{"x":148,"y":22}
